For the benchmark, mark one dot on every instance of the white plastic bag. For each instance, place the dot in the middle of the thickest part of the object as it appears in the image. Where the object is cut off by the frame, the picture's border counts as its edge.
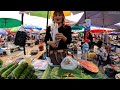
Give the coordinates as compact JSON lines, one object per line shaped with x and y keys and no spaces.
{"x":54,"y":30}
{"x":69,"y":63}
{"x":49,"y":61}
{"x":40,"y":64}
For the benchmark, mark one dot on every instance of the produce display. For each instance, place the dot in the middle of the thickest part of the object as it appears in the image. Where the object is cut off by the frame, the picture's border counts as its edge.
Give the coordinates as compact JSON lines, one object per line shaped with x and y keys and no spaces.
{"x":8,"y":71}
{"x":17,"y":71}
{"x":89,"y":66}
{"x":78,"y":73}
{"x":3,"y":69}
{"x":30,"y":74}
{"x":26,"y":72}
{"x":92,"y":55}
{"x":1,"y":63}
{"x":45,"y":73}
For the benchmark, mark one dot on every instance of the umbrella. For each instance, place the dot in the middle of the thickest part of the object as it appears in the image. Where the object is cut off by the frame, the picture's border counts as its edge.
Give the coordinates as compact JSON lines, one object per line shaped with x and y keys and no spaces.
{"x":43,"y":31}
{"x":66,"y":13}
{"x":3,"y":32}
{"x":32,"y":27}
{"x":36,"y":30}
{"x":77,"y":27}
{"x":29,"y":30}
{"x":14,"y":30}
{"x":9,"y":23}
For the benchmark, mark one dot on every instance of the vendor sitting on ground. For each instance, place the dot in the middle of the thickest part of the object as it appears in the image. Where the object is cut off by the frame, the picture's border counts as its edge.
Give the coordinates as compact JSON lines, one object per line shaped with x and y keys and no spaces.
{"x":102,"y":54}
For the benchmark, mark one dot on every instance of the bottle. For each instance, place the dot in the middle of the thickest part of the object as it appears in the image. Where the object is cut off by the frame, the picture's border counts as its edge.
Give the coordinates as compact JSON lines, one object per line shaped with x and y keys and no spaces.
{"x":79,"y":53}
{"x":85,"y":47}
{"x":44,"y":56}
{"x":85,"y":50}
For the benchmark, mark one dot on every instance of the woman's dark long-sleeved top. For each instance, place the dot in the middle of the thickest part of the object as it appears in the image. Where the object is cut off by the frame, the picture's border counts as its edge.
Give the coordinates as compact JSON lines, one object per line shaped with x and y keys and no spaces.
{"x":66,"y":31}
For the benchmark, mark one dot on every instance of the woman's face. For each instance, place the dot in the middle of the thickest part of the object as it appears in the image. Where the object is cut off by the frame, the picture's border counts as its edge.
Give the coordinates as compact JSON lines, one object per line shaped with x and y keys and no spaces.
{"x":58,"y":17}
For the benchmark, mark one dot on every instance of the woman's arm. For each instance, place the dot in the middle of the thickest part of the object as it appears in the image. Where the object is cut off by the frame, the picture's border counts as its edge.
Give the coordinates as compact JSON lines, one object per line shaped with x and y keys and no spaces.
{"x":66,"y":37}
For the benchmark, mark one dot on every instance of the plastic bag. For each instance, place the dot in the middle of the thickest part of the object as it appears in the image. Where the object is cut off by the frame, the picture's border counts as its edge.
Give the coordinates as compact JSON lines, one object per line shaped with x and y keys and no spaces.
{"x":49,"y":61}
{"x":54,"y":30}
{"x":40,"y":64}
{"x":69,"y":63}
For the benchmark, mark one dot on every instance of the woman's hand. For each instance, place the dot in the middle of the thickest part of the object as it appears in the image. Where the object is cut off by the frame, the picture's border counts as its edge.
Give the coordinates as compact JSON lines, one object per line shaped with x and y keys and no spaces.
{"x":61,"y":37}
{"x":51,"y":43}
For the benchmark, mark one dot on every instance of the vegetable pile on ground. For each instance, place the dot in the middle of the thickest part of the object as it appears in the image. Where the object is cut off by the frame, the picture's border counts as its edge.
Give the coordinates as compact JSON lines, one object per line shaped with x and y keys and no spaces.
{"x":78,"y":73}
{"x":17,"y":71}
{"x":58,"y":73}
{"x":1,"y":63}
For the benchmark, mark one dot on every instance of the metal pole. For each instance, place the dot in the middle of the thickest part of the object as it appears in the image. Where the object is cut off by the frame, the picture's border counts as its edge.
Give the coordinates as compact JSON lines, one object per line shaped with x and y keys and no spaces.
{"x":47,"y":46}
{"x":84,"y":22}
{"x":47,"y":18}
{"x":22,"y":17}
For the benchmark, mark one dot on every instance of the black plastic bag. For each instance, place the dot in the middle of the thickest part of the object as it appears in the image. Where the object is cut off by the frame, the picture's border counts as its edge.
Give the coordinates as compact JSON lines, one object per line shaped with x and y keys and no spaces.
{"x":20,"y":38}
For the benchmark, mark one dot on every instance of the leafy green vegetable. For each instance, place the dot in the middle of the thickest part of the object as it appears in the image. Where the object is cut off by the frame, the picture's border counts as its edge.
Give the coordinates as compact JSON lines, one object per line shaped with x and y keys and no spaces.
{"x":45,"y":74}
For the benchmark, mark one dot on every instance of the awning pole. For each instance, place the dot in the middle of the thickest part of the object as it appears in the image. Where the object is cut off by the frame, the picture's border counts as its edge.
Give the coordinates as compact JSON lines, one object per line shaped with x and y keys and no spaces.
{"x":22,"y":17}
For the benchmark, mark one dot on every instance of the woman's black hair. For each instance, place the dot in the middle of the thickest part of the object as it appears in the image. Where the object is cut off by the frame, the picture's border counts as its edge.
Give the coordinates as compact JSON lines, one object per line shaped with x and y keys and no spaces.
{"x":99,"y":44}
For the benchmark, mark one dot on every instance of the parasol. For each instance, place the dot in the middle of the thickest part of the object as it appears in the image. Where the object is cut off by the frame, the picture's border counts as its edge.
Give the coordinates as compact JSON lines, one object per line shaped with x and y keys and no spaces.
{"x":14,"y":30}
{"x":3,"y":32}
{"x":32,"y":27}
{"x":9,"y":23}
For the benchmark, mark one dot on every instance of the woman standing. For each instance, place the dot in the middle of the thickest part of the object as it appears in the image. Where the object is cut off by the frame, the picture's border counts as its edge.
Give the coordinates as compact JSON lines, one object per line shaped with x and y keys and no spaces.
{"x":63,"y":35}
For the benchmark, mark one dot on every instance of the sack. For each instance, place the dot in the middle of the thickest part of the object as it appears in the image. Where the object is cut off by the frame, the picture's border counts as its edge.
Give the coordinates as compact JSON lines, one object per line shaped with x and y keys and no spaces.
{"x":57,"y":56}
{"x":20,"y":38}
{"x":69,"y":63}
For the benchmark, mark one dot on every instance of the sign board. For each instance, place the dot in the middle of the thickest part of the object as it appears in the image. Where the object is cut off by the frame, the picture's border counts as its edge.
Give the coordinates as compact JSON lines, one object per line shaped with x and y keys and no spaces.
{"x":87,"y":24}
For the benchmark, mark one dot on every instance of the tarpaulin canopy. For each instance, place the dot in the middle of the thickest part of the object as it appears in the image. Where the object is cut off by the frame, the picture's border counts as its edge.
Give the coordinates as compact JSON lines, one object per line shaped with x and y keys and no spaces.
{"x":102,"y":18}
{"x":114,"y":33}
{"x":99,"y":31}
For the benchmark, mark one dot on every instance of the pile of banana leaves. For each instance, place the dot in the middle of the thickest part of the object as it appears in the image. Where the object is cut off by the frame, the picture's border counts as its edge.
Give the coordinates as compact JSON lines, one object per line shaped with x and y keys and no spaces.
{"x":78,"y":73}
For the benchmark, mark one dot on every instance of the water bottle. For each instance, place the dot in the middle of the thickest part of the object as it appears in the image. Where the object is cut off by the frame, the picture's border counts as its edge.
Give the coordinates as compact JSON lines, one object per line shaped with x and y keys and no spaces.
{"x":85,"y":47}
{"x":44,"y":56}
{"x":79,"y":53}
{"x":85,"y":50}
